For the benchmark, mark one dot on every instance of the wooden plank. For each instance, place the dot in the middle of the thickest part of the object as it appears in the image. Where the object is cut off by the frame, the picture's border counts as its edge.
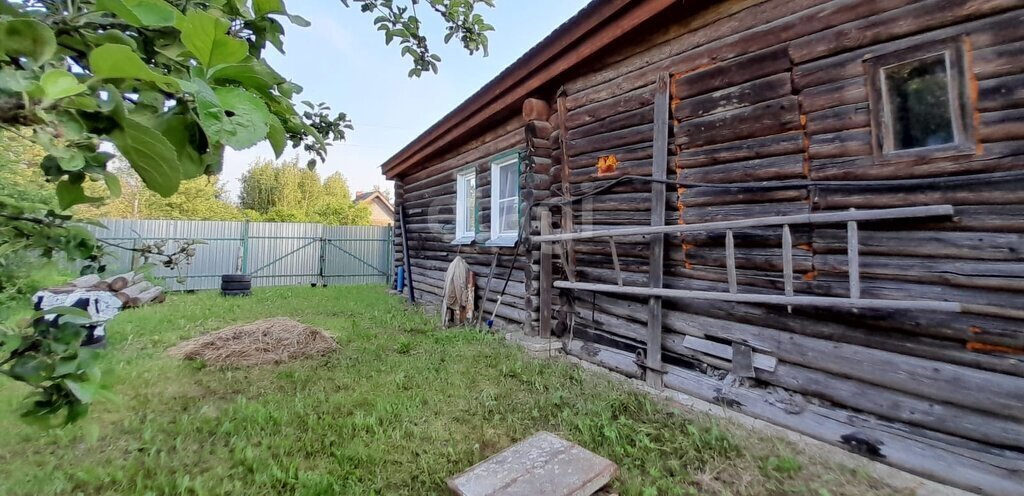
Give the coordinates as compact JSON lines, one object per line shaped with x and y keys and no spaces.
{"x":853,"y":251}
{"x":542,"y":464}
{"x":759,"y":361}
{"x":819,"y":301}
{"x":815,"y":218}
{"x":730,"y":260}
{"x":659,"y":170}
{"x":615,"y":259}
{"x":546,"y":276}
{"x":787,"y":259}
{"x":742,"y":361}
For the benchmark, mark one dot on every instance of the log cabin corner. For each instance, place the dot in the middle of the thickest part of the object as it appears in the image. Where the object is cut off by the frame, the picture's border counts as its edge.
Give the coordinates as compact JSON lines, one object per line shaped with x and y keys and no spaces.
{"x":824,"y":205}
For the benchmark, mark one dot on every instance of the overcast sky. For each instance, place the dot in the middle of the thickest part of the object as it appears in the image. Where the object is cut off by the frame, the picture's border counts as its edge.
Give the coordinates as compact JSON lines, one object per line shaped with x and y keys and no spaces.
{"x":342,"y":60}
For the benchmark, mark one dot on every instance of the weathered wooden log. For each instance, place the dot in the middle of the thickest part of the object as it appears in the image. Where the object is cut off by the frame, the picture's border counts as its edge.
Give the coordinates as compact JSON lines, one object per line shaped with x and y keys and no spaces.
{"x":761,"y":90}
{"x":763,"y":119}
{"x":633,"y":100}
{"x":87,"y":281}
{"x":1004,"y":276}
{"x":1002,"y":126}
{"x":133,"y":291}
{"x":841,"y":118}
{"x":120,"y":282}
{"x":616,"y":122}
{"x":734,"y":72}
{"x":765,"y":169}
{"x":1002,"y":93}
{"x":846,"y":92}
{"x":769,"y":146}
{"x":146,"y":297}
{"x":997,"y":157}
{"x":984,"y":33}
{"x":912,"y":243}
{"x":925,"y":15}
{"x":615,"y":139}
{"x":705,"y":197}
{"x":535,"y":109}
{"x":853,"y":143}
{"x":997,"y":61}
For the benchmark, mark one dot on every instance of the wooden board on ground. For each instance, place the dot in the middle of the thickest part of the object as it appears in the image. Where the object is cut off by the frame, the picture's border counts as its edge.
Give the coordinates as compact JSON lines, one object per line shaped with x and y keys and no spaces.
{"x":543,"y":464}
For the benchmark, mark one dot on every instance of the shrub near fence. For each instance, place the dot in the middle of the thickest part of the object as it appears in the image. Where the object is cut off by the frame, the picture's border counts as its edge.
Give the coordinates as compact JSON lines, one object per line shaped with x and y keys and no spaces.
{"x":275,"y":254}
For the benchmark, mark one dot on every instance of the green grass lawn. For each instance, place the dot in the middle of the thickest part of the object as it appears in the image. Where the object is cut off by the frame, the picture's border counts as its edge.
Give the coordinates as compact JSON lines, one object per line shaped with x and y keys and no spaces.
{"x":398,"y":409}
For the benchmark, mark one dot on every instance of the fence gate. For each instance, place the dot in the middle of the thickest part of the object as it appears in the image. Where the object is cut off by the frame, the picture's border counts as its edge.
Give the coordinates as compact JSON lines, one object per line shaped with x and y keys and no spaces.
{"x":274,"y":254}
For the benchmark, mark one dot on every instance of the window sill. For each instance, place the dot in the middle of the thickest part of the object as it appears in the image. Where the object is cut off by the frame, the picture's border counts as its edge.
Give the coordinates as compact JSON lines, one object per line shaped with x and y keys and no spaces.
{"x":464,"y":240}
{"x":502,"y":241}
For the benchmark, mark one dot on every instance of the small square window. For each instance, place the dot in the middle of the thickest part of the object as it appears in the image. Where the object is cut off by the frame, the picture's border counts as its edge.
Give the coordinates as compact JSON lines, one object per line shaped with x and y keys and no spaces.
{"x":505,"y":201}
{"x":919,"y":102}
{"x":465,"y":207}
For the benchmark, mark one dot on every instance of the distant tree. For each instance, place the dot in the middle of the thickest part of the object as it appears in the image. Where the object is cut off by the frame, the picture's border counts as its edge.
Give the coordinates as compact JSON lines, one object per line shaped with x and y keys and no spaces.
{"x":286,"y":192}
{"x":21,"y":180}
{"x":201,"y":198}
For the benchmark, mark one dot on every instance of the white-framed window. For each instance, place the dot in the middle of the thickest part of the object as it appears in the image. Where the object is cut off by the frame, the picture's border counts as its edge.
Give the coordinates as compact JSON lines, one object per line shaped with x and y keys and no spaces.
{"x":465,"y":207}
{"x":505,"y":201}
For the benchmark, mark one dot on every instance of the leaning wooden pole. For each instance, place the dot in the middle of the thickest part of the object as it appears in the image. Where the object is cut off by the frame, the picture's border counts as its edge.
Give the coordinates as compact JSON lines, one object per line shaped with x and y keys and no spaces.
{"x":406,"y":257}
{"x":659,"y":172}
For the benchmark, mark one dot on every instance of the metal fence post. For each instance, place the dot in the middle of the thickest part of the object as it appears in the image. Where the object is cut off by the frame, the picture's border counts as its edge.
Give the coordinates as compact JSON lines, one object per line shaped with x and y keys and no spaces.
{"x":323,"y":261}
{"x":245,"y":247}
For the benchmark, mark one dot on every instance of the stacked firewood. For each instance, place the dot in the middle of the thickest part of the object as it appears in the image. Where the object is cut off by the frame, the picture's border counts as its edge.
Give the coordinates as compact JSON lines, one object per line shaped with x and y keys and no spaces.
{"x":130,"y":288}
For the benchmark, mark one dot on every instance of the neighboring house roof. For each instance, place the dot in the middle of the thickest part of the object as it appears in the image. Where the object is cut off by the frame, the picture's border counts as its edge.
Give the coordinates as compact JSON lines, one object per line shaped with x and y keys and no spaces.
{"x":594,"y":27}
{"x":377,"y":197}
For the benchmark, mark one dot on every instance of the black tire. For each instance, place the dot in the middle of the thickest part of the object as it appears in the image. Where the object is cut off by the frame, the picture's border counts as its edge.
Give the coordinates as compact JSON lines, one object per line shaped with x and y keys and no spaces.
{"x":236,"y":293}
{"x":235,"y":286}
{"x":236,"y":278}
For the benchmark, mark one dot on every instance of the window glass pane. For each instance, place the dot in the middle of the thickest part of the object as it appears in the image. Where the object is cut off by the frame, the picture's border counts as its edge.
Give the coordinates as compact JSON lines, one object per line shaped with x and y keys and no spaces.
{"x":509,"y":180}
{"x":509,"y":218}
{"x":471,"y":204}
{"x":917,"y":93}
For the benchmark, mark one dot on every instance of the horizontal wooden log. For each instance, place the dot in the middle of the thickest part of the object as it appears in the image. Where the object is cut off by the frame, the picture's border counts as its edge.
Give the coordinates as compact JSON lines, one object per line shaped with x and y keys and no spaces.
{"x":997,"y":157}
{"x":699,"y":197}
{"x":1003,"y":276}
{"x":761,"y":90}
{"x":764,"y":169}
{"x":769,"y":146}
{"x":837,"y":119}
{"x":984,"y":33}
{"x":852,"y":143}
{"x":1002,"y":126}
{"x":1007,"y":247}
{"x":733,"y":72}
{"x":1002,"y":93}
{"x":846,"y":92}
{"x":908,"y":452}
{"x":616,"y":122}
{"x":86,"y":281}
{"x":925,"y":15}
{"x":763,"y":119}
{"x":633,"y":100}
{"x":992,"y":190}
{"x":997,"y":61}
{"x":612,"y":140}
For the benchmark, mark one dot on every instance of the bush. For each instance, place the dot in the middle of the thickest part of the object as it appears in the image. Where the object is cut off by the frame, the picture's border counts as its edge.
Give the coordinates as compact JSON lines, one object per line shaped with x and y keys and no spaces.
{"x":22,"y":274}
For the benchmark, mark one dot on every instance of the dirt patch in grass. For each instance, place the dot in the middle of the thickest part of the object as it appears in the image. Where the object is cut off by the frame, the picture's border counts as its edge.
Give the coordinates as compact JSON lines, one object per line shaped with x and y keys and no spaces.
{"x":264,"y":342}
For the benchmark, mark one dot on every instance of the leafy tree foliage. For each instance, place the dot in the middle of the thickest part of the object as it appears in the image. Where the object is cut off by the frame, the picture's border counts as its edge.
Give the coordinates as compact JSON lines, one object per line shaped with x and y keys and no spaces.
{"x":202,"y":198}
{"x":285,"y":192}
{"x":170,"y":84}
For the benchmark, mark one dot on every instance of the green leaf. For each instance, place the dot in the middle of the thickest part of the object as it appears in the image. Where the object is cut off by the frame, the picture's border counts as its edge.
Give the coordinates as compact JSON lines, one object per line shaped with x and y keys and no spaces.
{"x":205,"y":35}
{"x":276,"y":135}
{"x":121,"y":62}
{"x":150,"y":154}
{"x":31,"y":368}
{"x":141,"y":13}
{"x":27,"y":38}
{"x":253,"y":74}
{"x":58,"y":83}
{"x":70,"y":194}
{"x":299,"y":21}
{"x":84,"y":391}
{"x":264,"y":7}
{"x":113,"y":184}
{"x":182,"y":133}
{"x":247,"y":118}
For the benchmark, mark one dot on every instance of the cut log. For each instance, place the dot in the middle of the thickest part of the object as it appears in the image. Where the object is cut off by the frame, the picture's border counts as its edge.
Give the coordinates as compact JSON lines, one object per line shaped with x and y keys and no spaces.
{"x":149,"y":296}
{"x":133,"y":291}
{"x":86,"y":281}
{"x":120,"y":282}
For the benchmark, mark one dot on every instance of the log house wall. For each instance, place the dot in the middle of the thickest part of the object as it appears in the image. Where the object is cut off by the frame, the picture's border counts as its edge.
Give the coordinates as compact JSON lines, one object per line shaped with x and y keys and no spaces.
{"x":776,"y":91}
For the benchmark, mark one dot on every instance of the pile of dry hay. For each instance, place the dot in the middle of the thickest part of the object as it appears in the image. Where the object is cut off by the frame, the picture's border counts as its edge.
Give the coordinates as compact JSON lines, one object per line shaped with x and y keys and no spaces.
{"x":264,"y":342}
